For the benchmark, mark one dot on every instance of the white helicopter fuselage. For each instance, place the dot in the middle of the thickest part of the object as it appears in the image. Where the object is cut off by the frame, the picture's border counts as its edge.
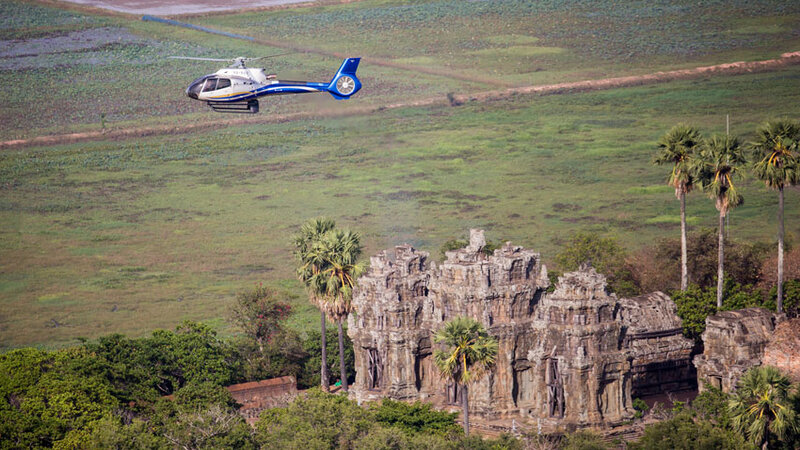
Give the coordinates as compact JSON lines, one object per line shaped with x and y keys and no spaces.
{"x":236,"y":85}
{"x":235,"y":89}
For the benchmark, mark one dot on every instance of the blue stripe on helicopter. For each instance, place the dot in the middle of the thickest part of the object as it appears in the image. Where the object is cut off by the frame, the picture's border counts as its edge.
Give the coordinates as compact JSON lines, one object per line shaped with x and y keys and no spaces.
{"x":266,"y":90}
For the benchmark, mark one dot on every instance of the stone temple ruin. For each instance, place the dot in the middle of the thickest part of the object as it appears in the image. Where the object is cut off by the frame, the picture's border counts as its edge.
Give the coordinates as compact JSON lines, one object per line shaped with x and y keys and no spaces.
{"x":737,"y":340}
{"x":733,"y":342}
{"x":573,"y":357}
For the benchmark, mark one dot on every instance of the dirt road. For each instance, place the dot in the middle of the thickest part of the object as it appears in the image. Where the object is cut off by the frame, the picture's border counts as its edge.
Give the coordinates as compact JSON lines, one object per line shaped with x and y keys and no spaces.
{"x":735,"y":68}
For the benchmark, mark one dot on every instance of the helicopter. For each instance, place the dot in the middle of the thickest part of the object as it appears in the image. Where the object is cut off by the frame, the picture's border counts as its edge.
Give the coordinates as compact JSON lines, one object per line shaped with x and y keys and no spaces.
{"x":236,"y":88}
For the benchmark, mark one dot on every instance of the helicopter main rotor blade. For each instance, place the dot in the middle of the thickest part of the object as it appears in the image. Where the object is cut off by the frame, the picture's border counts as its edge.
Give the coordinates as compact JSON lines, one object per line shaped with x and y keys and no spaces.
{"x":199,"y":59}
{"x":269,"y":56}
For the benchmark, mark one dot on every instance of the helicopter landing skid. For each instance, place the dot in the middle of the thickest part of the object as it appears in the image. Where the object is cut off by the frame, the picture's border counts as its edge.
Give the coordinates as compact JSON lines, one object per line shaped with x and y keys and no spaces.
{"x":248,"y":107}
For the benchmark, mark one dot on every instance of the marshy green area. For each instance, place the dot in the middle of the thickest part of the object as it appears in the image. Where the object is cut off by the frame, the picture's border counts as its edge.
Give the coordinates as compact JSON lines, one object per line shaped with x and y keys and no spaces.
{"x":138,"y":234}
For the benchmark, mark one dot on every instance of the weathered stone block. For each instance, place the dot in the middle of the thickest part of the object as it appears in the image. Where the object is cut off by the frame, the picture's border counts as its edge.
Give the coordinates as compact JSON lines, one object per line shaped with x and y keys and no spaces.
{"x":734,"y":341}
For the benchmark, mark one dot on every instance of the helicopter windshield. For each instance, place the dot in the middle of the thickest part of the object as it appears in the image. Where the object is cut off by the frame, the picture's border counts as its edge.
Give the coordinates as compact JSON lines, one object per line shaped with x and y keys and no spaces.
{"x":197,"y":85}
{"x":207,"y":83}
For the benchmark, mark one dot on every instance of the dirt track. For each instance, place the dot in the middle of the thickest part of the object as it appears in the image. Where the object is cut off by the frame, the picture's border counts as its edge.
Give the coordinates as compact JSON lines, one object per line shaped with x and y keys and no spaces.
{"x":736,"y":68}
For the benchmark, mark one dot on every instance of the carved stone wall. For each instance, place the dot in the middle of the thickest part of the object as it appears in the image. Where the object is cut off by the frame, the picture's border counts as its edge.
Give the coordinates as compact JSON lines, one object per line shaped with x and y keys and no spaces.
{"x":568,"y":358}
{"x":734,"y":341}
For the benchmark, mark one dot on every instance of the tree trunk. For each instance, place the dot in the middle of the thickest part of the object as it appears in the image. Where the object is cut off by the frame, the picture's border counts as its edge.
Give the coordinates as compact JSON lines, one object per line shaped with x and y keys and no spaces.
{"x":324,"y":373}
{"x":342,"y":367}
{"x":720,"y":259}
{"x":465,"y":406}
{"x":684,"y":267}
{"x":780,"y":249}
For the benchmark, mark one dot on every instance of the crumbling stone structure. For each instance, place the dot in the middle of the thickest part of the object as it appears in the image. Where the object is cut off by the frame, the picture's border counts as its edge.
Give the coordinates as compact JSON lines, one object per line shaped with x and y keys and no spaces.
{"x":734,"y":341}
{"x":569,"y":358}
{"x":661,"y":355}
{"x":783,"y":349}
{"x":256,"y":396}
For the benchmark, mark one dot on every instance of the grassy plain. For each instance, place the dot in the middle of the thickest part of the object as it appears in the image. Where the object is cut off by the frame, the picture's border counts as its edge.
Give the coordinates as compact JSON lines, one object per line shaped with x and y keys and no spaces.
{"x":526,"y":42}
{"x":128,"y":81}
{"x":135,"y":235}
{"x":139,"y":234}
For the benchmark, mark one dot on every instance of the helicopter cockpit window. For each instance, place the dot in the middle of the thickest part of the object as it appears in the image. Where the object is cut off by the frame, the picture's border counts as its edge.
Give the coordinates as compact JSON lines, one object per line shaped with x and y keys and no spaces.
{"x":222,"y":83}
{"x":211,"y":85}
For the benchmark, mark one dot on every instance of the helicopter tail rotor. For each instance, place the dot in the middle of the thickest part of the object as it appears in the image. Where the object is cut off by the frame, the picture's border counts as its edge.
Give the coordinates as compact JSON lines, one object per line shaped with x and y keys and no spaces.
{"x":345,"y":83}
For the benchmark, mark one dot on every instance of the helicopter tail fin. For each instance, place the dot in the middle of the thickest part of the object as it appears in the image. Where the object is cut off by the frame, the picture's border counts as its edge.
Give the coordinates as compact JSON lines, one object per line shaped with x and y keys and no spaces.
{"x":345,"y":83}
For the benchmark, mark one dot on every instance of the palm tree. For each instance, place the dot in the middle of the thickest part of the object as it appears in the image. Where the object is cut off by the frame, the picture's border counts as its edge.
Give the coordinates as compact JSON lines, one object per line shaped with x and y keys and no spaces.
{"x":761,"y":406}
{"x":677,"y":147}
{"x":778,"y":165}
{"x":310,"y":265}
{"x":339,"y":249}
{"x":721,"y":159}
{"x":470,"y":352}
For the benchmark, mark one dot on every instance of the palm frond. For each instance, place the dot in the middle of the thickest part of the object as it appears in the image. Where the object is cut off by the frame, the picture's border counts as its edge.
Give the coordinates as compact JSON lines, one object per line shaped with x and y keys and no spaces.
{"x":720,"y":162}
{"x":678,"y":147}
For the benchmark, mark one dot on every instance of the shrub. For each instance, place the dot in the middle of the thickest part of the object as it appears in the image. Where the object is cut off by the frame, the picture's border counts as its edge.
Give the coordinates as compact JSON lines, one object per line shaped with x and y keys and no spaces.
{"x":605,"y":255}
{"x":314,"y":420}
{"x":791,"y":298}
{"x":640,"y":406}
{"x":309,"y":375}
{"x":583,"y":440}
{"x":417,"y":418}
{"x":683,"y":432}
{"x":696,"y":303}
{"x":712,"y":405}
{"x":657,"y":267}
{"x":260,"y":314}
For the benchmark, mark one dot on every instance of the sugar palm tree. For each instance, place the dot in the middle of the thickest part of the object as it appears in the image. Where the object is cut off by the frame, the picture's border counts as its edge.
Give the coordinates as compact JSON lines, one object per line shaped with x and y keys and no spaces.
{"x":470,"y":352}
{"x":721,"y":159}
{"x":777,"y":163}
{"x":310,"y":264}
{"x":678,"y":147}
{"x":761,"y":406}
{"x":339,"y":249}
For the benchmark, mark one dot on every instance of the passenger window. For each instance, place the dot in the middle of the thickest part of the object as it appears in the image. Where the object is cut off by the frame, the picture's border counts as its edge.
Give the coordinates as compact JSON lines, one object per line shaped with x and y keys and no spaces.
{"x":222,"y":83}
{"x":211,"y":85}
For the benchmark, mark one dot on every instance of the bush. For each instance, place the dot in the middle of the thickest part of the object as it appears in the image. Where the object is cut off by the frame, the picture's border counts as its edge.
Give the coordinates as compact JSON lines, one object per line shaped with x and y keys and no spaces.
{"x":791,"y":298}
{"x":417,"y":418}
{"x":310,"y":374}
{"x":769,"y":268}
{"x":696,"y":303}
{"x":605,"y":255}
{"x":314,"y":420}
{"x":640,"y":406}
{"x":260,"y":314}
{"x":712,"y":405}
{"x":683,"y":432}
{"x":282,"y":355}
{"x":657,"y":268}
{"x":583,"y":440}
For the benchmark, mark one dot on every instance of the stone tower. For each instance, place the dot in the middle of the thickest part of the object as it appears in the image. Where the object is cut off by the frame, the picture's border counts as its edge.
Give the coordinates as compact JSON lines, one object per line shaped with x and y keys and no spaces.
{"x":565,"y":358}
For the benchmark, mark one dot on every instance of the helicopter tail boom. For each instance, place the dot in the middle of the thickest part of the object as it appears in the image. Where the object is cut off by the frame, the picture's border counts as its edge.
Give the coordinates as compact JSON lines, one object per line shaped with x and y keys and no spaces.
{"x":345,"y":83}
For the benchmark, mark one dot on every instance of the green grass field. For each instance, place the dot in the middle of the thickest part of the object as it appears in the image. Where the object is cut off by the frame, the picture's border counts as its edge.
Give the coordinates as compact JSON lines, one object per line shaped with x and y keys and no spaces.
{"x":139,"y":234}
{"x":128,"y":81}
